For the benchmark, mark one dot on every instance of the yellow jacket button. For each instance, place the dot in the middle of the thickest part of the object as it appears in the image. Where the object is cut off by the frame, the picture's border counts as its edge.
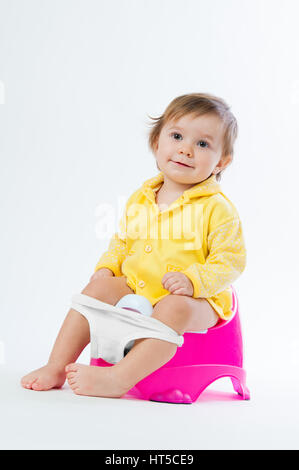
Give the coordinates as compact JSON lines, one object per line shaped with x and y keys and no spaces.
{"x":148,"y":248}
{"x":141,"y":283}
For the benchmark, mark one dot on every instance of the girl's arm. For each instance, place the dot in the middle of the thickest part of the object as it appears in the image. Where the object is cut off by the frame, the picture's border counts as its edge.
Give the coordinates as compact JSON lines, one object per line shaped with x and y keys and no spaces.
{"x":224,"y":264}
{"x":114,"y":256}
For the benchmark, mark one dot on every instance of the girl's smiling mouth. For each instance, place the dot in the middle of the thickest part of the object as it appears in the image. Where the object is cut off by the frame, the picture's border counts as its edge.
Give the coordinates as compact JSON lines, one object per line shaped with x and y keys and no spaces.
{"x":181,"y":164}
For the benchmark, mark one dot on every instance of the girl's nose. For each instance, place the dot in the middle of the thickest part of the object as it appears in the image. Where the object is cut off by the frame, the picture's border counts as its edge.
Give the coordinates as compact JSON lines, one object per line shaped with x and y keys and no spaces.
{"x":186,"y":151}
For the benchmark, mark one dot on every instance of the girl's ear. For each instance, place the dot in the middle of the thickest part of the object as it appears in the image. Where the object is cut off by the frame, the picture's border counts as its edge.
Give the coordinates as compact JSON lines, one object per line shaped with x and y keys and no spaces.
{"x":223,"y":163}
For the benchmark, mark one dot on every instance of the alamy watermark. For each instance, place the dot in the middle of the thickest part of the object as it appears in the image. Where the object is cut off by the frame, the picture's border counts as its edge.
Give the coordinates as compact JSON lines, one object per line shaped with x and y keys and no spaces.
{"x":140,"y":222}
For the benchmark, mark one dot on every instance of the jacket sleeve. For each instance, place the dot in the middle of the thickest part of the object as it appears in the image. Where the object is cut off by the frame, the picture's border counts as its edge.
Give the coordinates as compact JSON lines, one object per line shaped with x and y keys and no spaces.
{"x":117,"y":250}
{"x":224,"y":264}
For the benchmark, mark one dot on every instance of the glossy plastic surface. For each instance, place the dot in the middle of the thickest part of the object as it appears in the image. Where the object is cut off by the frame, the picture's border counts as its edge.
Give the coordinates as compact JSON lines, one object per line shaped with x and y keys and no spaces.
{"x":201,"y":360}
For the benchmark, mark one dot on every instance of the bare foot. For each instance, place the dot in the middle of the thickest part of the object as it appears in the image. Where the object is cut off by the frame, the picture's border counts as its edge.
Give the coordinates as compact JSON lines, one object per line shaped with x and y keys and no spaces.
{"x":95,"y":381}
{"x":45,"y":378}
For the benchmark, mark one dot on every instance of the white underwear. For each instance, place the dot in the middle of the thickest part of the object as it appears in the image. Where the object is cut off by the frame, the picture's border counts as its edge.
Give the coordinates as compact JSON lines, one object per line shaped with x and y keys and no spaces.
{"x":113,"y":328}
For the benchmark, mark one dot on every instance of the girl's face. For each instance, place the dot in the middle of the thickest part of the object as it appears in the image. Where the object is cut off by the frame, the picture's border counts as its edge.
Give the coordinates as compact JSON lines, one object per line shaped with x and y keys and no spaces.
{"x":196,"y":143}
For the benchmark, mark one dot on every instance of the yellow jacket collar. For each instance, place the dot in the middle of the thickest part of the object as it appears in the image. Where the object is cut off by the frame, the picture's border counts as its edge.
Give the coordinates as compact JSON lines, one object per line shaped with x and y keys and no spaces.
{"x":205,"y":188}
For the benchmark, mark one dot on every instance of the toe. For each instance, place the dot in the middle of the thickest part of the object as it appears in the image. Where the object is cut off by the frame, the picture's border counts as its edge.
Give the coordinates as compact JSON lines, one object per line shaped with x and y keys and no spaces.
{"x":71,"y":367}
{"x":31,"y":383}
{"x":36,"y":385}
{"x":70,"y":375}
{"x":26,"y":382}
{"x":73,"y":385}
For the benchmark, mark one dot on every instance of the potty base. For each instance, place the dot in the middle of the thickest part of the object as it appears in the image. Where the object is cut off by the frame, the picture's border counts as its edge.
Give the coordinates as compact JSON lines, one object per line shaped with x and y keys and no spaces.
{"x":183,"y":385}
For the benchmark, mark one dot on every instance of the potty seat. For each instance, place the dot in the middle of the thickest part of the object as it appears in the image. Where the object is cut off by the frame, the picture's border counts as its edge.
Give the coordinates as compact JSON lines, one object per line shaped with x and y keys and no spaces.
{"x":203,"y":358}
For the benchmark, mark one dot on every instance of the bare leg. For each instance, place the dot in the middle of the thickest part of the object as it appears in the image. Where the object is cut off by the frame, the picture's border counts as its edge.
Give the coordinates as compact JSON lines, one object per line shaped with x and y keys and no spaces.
{"x":73,"y":336}
{"x":181,"y":313}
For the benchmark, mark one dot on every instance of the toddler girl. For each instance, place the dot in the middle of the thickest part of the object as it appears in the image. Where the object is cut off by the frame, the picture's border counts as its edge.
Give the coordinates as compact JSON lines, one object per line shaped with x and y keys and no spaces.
{"x":180,"y":245}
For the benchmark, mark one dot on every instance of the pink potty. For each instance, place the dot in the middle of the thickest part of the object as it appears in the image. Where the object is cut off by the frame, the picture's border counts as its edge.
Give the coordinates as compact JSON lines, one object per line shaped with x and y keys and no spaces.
{"x":203,"y":358}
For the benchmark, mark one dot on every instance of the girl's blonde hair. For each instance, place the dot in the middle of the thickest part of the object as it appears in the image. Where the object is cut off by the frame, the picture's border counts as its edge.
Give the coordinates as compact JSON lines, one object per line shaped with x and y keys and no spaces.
{"x":197,"y":104}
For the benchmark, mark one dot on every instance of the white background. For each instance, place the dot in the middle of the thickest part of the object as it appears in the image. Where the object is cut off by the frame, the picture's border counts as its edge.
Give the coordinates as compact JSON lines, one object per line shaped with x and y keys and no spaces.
{"x":78,"y":79}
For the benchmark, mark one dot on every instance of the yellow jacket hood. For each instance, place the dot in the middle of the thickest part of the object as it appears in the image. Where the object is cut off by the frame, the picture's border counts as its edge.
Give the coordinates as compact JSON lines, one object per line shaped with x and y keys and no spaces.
{"x":205,"y":188}
{"x":208,"y":187}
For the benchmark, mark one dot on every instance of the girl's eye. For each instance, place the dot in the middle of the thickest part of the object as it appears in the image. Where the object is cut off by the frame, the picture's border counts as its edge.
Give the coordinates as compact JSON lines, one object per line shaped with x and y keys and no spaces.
{"x":203,"y":142}
{"x":175,"y":134}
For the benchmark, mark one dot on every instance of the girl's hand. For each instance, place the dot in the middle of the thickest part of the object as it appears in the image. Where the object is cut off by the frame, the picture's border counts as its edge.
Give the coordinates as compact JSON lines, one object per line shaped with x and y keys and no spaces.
{"x":102,"y":272}
{"x":177,"y":283}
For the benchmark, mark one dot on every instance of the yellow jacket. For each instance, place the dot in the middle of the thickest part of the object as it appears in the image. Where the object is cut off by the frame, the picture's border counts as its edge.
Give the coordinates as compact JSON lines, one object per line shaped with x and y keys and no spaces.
{"x":199,"y":234}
